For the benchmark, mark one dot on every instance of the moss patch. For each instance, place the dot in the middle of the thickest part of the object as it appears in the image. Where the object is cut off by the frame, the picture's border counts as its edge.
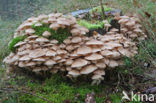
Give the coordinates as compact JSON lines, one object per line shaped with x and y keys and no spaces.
{"x":60,"y":34}
{"x":89,"y":25}
{"x":15,"y":41}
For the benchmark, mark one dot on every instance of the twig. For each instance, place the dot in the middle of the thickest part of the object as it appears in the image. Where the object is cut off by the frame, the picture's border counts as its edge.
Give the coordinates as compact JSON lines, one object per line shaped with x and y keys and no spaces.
{"x":102,"y":8}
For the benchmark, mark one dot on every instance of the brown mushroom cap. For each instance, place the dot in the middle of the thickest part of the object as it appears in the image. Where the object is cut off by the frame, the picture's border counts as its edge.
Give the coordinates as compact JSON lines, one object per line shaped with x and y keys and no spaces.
{"x":88,"y":69}
{"x":29,"y":31}
{"x":76,"y":39}
{"x":50,"y":63}
{"x":99,"y":72}
{"x":84,"y":50}
{"x":74,"y":73}
{"x":97,"y":77}
{"x":37,"y":53}
{"x":46,"y":34}
{"x":101,"y":65}
{"x":25,"y":58}
{"x":41,"y":39}
{"x":94,"y":56}
{"x":113,"y":64}
{"x":94,"y":42}
{"x":54,"y":26}
{"x":39,"y":59}
{"x":20,"y":43}
{"x":79,"y":63}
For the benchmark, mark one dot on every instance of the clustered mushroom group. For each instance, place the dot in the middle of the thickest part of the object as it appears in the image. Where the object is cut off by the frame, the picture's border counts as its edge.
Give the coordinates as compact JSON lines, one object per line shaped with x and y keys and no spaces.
{"x":78,"y":54}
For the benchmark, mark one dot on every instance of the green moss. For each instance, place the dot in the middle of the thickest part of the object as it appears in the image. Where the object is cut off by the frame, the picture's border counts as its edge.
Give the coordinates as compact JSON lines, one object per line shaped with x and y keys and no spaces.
{"x":60,"y":34}
{"x":15,"y":41}
{"x":89,"y":25}
{"x":128,"y":62}
{"x":99,"y":10}
{"x":57,"y":90}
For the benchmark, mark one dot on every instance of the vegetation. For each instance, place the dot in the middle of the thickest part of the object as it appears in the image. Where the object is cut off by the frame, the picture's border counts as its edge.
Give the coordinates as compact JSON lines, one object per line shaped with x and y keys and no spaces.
{"x":90,"y":25}
{"x":15,"y":41}
{"x":98,"y":9}
{"x":60,"y":34}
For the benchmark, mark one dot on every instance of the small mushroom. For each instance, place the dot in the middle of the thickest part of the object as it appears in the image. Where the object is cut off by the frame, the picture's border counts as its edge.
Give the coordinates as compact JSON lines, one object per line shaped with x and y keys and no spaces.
{"x":46,"y":34}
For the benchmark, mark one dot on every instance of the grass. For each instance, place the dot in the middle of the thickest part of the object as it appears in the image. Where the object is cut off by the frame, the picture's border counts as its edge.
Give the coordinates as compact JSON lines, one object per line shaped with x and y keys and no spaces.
{"x":57,"y":89}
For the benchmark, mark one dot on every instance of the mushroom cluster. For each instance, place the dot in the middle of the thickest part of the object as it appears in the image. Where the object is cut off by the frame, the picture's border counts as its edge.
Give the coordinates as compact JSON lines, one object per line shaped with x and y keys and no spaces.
{"x":77,"y":55}
{"x":130,"y":27}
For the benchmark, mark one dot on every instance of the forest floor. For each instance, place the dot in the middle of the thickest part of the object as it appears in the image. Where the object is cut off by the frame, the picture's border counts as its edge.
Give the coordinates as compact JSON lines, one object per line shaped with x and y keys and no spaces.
{"x":138,"y":74}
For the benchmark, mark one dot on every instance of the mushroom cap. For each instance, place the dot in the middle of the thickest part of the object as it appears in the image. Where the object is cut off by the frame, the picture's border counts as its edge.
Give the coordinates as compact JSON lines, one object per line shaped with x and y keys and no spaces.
{"x":69,"y":62}
{"x":110,"y":54}
{"x":94,"y":42}
{"x":41,"y":39}
{"x":20,"y":43}
{"x":43,"y":16}
{"x":111,"y":45}
{"x":94,"y":56}
{"x":59,"y":51}
{"x":79,"y":63}
{"x":29,"y":31}
{"x":37,"y":53}
{"x":57,"y":58}
{"x":107,"y":25}
{"x":38,"y":24}
{"x":95,"y":49}
{"x":67,"y":41}
{"x":88,"y":69}
{"x":50,"y":62}
{"x":97,"y":77}
{"x":74,"y":73}
{"x":46,"y":34}
{"x":32,"y":37}
{"x":99,"y":72}
{"x":22,"y":64}
{"x":125,"y":52}
{"x":113,"y":63}
{"x":101,"y":65}
{"x":84,"y":50}
{"x":25,"y":58}
{"x":31,"y":63}
{"x":122,"y":21}
{"x":54,"y":41}
{"x":75,"y":31}
{"x":39,"y":59}
{"x":54,"y":26}
{"x":76,"y":39}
